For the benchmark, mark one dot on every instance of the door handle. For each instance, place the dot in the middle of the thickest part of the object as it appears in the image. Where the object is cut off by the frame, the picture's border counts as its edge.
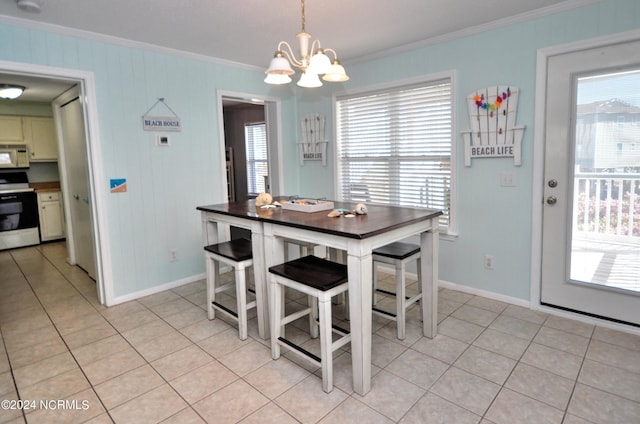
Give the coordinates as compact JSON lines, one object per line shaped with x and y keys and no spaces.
{"x":552,"y":200}
{"x":76,"y":196}
{"x":86,"y":200}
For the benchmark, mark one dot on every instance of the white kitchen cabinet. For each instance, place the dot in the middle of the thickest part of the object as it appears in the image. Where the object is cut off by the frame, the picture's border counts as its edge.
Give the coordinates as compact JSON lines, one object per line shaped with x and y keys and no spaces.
{"x":11,"y":129}
{"x":40,"y":137}
{"x":51,"y":215}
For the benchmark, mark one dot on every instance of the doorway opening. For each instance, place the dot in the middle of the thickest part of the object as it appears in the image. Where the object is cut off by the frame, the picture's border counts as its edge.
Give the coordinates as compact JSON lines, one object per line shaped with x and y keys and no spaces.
{"x":251,"y":147}
{"x":49,"y":85}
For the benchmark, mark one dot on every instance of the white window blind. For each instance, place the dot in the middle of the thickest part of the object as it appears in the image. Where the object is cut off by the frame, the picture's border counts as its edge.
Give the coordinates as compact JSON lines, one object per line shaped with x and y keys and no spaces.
{"x":255,"y":138}
{"x":394,"y":147}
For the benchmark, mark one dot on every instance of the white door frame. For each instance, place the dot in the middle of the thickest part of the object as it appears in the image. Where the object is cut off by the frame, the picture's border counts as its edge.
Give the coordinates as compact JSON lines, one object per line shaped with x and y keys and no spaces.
{"x":538,"y":170}
{"x":272,"y":116}
{"x":104,"y":276}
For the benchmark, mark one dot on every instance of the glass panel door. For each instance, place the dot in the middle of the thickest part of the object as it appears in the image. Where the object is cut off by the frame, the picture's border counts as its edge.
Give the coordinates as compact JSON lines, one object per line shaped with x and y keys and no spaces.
{"x":605,"y":242}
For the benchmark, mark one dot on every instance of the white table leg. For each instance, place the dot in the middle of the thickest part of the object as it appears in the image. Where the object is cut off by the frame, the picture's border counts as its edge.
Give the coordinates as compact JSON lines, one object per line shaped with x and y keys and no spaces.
{"x":429,"y":270}
{"x":273,"y":254}
{"x":209,"y":230}
{"x":260,"y":279}
{"x":360,"y":296}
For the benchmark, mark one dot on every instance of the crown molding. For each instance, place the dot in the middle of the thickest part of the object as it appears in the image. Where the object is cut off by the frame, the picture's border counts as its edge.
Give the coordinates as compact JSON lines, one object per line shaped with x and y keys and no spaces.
{"x":456,"y":35}
{"x":123,"y":42}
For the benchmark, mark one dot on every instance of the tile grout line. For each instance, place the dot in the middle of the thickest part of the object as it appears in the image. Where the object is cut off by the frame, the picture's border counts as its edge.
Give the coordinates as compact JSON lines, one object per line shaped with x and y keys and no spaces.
{"x":26,"y":279}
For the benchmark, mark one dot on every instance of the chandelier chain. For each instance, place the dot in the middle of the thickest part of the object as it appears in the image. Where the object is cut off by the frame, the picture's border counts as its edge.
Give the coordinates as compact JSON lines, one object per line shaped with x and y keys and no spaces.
{"x":303,"y":19}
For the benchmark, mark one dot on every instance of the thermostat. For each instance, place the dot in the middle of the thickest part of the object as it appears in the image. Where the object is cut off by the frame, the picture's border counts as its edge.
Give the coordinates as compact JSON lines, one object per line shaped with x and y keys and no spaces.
{"x":163,"y":140}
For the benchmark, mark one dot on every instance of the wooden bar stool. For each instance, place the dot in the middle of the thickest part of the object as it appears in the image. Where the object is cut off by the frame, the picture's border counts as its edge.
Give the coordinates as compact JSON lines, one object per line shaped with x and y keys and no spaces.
{"x":320,"y":280}
{"x":397,"y":254}
{"x":236,"y":253}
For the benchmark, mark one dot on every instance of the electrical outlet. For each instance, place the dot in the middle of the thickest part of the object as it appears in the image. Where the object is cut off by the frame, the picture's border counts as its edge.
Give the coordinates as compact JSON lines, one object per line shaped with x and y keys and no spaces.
{"x":173,"y":255}
{"x":488,"y":261}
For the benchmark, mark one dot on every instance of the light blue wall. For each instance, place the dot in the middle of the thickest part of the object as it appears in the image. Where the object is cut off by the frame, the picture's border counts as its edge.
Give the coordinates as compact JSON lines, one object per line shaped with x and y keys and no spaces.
{"x":165,"y":185}
{"x":492,"y":219}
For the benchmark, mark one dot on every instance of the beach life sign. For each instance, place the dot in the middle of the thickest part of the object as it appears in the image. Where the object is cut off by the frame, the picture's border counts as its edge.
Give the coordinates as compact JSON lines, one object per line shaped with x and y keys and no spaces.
{"x":494,"y":133}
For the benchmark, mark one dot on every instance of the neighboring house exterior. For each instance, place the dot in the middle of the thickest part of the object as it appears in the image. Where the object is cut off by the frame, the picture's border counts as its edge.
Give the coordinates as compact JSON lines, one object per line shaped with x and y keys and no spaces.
{"x":608,"y":137}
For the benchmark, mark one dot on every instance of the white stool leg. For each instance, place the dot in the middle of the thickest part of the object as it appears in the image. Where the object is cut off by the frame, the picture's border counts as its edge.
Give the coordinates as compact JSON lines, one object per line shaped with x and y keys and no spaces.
{"x":400,"y":299}
{"x":212,"y":270}
{"x":277,"y":298}
{"x":241,"y":300}
{"x":326,"y":341}
{"x":375,"y":284}
{"x":313,"y":317}
{"x":419,"y":275}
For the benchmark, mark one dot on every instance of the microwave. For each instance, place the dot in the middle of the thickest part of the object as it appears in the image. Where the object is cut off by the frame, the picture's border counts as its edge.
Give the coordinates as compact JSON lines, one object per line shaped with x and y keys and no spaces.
{"x":14,"y":156}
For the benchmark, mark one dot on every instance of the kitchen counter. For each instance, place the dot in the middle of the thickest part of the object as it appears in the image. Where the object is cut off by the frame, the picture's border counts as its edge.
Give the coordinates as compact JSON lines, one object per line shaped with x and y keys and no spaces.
{"x":45,"y":186}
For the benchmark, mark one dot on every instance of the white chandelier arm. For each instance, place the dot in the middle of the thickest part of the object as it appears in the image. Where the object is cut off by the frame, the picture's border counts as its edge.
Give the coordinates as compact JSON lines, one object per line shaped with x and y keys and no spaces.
{"x":288,"y":52}
{"x":335,"y":55}
{"x":315,"y":46}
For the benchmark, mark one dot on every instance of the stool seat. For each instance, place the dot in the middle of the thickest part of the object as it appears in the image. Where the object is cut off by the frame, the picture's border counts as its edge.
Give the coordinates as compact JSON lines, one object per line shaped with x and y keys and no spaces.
{"x":313,"y":271}
{"x":236,"y":250}
{"x":320,"y":280}
{"x":397,"y":250}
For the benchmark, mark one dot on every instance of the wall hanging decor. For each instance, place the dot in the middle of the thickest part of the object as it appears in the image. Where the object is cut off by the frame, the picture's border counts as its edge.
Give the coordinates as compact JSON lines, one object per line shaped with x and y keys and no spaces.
{"x":314,"y":143}
{"x":494,"y":133}
{"x":161,"y":123}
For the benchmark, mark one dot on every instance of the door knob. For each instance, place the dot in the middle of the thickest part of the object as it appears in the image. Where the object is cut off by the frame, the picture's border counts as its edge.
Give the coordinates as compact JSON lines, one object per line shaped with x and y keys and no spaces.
{"x":552,"y":200}
{"x":76,"y":196}
{"x":86,"y":200}
{"x":553,"y":183}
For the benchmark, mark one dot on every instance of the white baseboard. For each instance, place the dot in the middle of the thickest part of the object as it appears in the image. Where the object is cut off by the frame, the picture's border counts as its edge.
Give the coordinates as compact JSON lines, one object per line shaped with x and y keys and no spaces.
{"x":157,"y":289}
{"x":527,"y":304}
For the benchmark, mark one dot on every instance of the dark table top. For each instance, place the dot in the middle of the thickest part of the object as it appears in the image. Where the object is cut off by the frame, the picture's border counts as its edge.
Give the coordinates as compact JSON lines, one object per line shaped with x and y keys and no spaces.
{"x":378,"y":220}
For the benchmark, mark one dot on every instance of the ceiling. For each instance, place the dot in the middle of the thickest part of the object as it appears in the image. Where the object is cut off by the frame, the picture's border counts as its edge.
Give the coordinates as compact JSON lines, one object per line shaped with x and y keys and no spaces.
{"x":248,"y":31}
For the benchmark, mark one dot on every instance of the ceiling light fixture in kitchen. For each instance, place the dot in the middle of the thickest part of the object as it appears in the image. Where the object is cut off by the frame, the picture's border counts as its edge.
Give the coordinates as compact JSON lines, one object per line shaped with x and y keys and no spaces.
{"x":11,"y":91}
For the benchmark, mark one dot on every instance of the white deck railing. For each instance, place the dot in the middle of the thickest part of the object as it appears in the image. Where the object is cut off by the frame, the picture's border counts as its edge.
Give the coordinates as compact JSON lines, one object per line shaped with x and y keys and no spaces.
{"x":607,"y":205}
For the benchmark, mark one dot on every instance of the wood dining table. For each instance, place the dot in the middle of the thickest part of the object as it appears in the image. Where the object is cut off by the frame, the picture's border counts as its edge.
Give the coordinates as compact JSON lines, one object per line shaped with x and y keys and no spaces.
{"x":358,"y":236}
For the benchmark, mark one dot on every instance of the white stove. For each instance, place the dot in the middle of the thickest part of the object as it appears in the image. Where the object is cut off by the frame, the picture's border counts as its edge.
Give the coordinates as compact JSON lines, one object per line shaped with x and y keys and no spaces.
{"x":18,"y":211}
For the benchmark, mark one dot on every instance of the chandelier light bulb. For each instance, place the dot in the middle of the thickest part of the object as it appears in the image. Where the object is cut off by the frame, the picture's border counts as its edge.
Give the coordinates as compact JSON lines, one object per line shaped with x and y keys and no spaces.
{"x":309,"y":79}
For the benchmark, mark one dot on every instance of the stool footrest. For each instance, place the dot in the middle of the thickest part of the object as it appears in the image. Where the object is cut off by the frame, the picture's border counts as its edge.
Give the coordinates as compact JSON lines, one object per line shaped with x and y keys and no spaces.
{"x":223,"y":308}
{"x":340,"y":330}
{"x":383,"y":312}
{"x":390,"y":293}
{"x":299,"y":349}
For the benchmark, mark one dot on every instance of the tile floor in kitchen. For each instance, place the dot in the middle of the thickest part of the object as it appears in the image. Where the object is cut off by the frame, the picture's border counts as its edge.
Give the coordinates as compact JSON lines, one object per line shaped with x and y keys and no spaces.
{"x":158,"y":359}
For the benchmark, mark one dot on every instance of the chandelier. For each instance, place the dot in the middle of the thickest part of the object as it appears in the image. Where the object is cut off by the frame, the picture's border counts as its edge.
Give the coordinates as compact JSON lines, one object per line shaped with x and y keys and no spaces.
{"x":313,"y":62}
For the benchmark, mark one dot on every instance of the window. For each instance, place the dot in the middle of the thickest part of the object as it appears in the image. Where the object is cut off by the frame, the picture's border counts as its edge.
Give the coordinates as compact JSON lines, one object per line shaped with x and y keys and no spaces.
{"x":255,"y":139}
{"x":394,"y":147}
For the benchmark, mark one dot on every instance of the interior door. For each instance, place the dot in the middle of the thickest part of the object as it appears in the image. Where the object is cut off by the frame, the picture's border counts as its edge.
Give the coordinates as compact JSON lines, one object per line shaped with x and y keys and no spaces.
{"x":591,"y":213}
{"x":75,"y":147}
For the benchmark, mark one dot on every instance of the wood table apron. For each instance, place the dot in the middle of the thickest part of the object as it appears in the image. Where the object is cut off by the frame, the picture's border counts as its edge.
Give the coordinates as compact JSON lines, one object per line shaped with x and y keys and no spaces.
{"x":357,"y":236}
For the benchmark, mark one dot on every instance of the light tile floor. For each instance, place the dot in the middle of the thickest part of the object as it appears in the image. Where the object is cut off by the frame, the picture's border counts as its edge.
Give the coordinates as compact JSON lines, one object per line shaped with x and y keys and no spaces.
{"x":159,"y":359}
